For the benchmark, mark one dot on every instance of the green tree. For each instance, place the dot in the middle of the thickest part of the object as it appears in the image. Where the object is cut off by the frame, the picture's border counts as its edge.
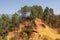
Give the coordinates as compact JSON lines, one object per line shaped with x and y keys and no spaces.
{"x":36,"y":11}
{"x":24,"y":10}
{"x":46,"y":14}
{"x":33,"y":12}
{"x":39,"y":10}
{"x":6,"y":21}
{"x":51,"y":11}
{"x":51,"y":16}
{"x":15,"y":19}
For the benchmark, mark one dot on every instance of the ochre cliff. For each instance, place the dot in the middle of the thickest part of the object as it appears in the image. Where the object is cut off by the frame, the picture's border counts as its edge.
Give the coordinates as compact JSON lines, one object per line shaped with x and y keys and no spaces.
{"x":42,"y":31}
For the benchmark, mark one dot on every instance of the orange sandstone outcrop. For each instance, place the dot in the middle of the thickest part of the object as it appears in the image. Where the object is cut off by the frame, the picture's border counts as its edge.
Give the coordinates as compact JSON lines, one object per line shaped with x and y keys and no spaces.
{"x":42,"y":31}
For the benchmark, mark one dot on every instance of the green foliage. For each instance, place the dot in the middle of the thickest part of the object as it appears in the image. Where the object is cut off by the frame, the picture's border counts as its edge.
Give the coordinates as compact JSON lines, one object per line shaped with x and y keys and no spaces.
{"x":23,"y":35}
{"x":5,"y":23}
{"x":46,"y":14}
{"x":36,"y":11}
{"x":28,"y":30}
{"x":24,"y":10}
{"x":15,"y":19}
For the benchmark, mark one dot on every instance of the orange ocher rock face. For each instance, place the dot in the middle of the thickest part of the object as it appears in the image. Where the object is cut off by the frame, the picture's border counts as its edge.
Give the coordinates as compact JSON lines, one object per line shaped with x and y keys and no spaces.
{"x":12,"y":33}
{"x":43,"y":31}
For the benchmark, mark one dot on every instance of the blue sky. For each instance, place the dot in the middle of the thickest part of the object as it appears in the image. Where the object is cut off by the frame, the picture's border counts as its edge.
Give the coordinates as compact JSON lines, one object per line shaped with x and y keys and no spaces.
{"x":12,"y":6}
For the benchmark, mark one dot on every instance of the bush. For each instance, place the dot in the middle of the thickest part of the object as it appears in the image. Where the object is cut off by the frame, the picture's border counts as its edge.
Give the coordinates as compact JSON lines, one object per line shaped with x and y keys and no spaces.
{"x":23,"y":36}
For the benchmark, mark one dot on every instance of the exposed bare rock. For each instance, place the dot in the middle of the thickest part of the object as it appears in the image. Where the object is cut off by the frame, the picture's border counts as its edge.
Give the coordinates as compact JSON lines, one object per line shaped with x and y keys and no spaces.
{"x":41,"y":31}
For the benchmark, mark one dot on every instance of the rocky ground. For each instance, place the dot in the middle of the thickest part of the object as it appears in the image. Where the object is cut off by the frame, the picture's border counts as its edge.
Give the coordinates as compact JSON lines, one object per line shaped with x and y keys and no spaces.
{"x":41,"y":31}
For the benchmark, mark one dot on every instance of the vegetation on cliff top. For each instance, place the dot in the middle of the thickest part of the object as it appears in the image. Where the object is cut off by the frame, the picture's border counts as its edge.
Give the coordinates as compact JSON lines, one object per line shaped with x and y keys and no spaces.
{"x":8,"y":24}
